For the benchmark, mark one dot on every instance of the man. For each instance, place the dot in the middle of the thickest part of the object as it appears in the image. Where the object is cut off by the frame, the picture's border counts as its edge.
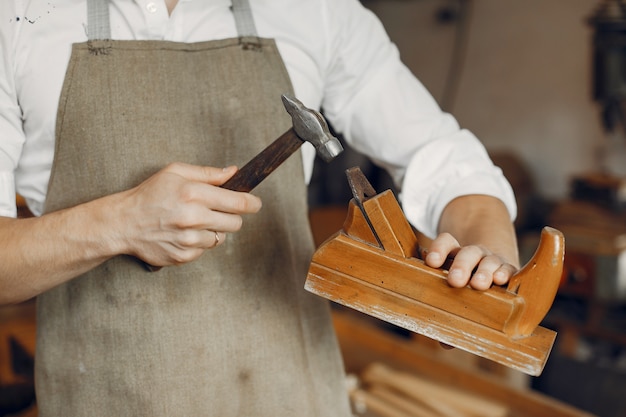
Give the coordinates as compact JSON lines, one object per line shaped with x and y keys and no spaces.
{"x":118,"y":147}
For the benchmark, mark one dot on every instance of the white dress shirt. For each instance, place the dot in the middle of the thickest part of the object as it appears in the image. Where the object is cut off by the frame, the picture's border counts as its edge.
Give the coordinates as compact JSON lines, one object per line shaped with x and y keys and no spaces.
{"x":337,"y":55}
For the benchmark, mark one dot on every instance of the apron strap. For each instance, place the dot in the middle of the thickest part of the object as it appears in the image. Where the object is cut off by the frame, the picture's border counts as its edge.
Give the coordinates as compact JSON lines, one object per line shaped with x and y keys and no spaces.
{"x":98,"y":26}
{"x":243,"y":18}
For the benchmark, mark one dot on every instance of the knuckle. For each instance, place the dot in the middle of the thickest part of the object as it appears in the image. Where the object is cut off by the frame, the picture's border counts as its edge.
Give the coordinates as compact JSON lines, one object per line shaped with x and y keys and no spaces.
{"x":444,"y":242}
{"x":182,"y":222}
{"x":173,"y":167}
{"x":187,"y":192}
{"x":447,"y":239}
{"x":181,"y":257}
{"x":474,"y":252}
{"x":187,"y":238}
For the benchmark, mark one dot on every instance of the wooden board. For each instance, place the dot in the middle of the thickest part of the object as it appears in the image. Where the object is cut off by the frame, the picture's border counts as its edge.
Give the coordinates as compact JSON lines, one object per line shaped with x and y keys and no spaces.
{"x":364,"y":342}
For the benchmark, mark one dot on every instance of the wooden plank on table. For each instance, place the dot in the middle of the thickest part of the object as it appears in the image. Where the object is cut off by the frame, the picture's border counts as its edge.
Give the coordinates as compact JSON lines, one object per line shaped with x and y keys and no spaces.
{"x":367,"y":402}
{"x":414,"y":408}
{"x":447,"y":401}
{"x":363,"y":343}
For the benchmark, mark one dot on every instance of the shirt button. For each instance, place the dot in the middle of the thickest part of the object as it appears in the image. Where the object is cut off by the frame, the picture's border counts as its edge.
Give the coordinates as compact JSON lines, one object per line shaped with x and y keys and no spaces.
{"x":152,"y":7}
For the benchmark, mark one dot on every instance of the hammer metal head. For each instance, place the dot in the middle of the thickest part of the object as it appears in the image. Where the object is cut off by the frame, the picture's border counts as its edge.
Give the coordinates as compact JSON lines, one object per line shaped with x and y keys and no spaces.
{"x":311,"y":127}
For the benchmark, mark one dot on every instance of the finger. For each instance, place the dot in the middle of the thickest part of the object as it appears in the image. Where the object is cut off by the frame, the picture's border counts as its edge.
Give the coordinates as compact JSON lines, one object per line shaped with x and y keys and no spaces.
{"x":440,"y":249}
{"x":504,"y":273}
{"x":481,"y":280}
{"x":225,"y":174}
{"x":198,"y":239}
{"x":483,"y":276}
{"x":489,"y":268}
{"x":236,"y":202}
{"x":466,"y":259}
{"x":200,"y":218}
{"x":205,"y":174}
{"x":203,"y":186}
{"x":220,"y":199}
{"x":211,"y":239}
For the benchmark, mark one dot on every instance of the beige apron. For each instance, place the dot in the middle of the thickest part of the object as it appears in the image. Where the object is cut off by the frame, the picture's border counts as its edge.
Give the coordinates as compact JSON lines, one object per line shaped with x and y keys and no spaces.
{"x":231,"y":334}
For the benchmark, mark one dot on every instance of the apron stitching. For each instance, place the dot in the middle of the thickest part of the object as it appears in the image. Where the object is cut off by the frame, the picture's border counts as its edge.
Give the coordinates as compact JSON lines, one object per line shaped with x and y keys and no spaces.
{"x":134,"y":45}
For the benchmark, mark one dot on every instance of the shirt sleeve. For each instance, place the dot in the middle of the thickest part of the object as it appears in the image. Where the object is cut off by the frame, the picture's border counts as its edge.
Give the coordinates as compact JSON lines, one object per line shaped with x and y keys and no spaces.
{"x":384,"y":112}
{"x":11,"y":133}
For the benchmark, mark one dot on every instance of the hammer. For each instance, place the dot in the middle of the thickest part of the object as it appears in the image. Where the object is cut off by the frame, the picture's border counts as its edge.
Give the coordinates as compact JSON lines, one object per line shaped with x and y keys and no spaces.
{"x":308,"y":126}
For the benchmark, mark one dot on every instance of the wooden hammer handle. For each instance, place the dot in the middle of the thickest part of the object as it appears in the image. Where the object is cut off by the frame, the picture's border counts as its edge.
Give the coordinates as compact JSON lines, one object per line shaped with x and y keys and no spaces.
{"x":263,"y":164}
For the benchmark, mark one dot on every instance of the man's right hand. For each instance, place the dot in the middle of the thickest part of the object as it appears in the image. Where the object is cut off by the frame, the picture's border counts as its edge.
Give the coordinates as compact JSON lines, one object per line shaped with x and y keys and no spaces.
{"x":181,"y":211}
{"x":169,"y":219}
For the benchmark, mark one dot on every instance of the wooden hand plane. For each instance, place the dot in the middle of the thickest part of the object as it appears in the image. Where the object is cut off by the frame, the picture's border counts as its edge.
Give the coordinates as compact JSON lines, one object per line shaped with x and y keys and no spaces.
{"x":373,"y":265}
